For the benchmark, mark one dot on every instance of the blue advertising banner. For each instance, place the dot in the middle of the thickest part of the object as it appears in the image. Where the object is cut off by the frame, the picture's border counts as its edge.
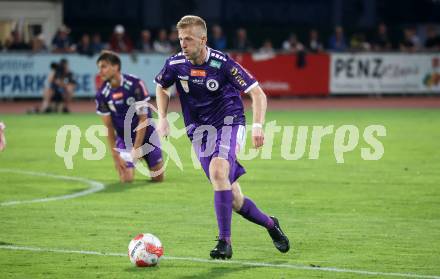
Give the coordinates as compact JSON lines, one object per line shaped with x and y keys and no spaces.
{"x":25,"y":75}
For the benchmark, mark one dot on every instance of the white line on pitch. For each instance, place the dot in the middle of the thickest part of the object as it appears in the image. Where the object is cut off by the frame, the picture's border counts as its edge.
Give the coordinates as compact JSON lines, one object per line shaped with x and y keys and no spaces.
{"x":233,"y":262}
{"x":95,"y":186}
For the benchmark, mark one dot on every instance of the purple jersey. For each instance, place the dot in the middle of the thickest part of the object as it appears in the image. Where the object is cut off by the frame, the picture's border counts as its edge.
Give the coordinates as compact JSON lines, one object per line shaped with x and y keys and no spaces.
{"x":117,"y":101}
{"x":209,"y":92}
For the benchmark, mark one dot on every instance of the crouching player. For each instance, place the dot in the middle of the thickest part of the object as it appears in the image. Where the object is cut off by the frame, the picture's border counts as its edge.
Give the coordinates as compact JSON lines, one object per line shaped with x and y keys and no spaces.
{"x":116,"y":95}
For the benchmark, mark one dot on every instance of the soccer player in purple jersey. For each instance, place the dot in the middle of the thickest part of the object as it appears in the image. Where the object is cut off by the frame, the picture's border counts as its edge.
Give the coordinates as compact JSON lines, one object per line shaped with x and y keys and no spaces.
{"x":113,"y":100}
{"x":209,"y":85}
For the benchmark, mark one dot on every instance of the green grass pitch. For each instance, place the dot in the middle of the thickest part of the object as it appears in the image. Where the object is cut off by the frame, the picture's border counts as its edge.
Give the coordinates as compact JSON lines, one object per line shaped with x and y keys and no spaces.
{"x":364,"y":216}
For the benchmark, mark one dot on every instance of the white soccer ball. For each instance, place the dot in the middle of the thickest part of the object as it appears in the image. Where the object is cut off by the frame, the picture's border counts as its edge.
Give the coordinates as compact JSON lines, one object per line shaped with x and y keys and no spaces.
{"x":145,"y":250}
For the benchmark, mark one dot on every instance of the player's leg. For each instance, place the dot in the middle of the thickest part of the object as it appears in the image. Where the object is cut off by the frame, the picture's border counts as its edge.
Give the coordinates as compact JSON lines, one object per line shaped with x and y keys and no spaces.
{"x":219,"y":175}
{"x":153,"y":158}
{"x":157,"y":172}
{"x":249,"y":210}
{"x":222,"y":169}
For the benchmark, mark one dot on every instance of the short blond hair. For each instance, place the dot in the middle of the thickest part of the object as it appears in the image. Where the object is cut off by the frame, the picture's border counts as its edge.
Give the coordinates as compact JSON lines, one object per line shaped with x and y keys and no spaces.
{"x":192,"y":20}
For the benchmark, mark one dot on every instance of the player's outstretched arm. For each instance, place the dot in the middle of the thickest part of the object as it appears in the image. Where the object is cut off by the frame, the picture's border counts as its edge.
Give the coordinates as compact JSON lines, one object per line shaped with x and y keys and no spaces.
{"x":111,"y":138}
{"x":259,"y":106}
{"x":162,"y":99}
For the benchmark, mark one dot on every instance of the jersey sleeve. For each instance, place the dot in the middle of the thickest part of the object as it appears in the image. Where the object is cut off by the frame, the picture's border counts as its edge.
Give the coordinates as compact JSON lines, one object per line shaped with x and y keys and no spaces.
{"x":166,"y":76}
{"x":141,"y":92}
{"x":141,"y":97}
{"x":238,"y":76}
{"x":101,"y":105}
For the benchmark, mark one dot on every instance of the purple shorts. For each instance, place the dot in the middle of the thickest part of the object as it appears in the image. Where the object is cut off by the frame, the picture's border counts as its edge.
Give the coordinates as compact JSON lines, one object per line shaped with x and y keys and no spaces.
{"x":224,"y":143}
{"x":153,"y":153}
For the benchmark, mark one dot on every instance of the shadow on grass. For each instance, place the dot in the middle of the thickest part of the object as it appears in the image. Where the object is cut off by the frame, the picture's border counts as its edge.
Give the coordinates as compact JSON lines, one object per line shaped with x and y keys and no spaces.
{"x":117,"y":187}
{"x":219,"y":272}
{"x":214,"y":272}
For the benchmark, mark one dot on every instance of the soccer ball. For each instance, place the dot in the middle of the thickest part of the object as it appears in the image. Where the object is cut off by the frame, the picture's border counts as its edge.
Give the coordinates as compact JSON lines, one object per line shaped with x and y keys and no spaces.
{"x":145,"y":250}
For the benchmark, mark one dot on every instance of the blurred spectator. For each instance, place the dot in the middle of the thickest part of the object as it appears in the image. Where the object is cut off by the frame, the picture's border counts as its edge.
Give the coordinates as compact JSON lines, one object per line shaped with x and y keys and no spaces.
{"x":119,"y":41}
{"x":16,"y":42}
{"x":381,"y":41}
{"x":432,"y":41}
{"x":241,"y":42}
{"x":337,"y":40}
{"x":314,"y":44}
{"x":266,"y":51}
{"x":267,"y":48}
{"x":97,"y":44}
{"x":61,"y":42}
{"x":38,"y":44}
{"x":292,"y":44}
{"x":161,"y":44}
{"x":218,"y":40}
{"x":61,"y":86}
{"x":359,"y":43}
{"x":2,"y":136}
{"x":144,"y":44}
{"x":411,"y":41}
{"x":174,"y":41}
{"x":84,"y":46}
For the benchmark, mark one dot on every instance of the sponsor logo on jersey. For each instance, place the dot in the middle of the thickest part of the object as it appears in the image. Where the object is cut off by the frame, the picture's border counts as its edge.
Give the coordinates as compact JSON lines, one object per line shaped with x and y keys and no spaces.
{"x":234,"y":71}
{"x":198,"y":81}
{"x":198,"y":73}
{"x":212,"y":84}
{"x":179,"y":61}
{"x":215,"y":64}
{"x":185,"y":86}
{"x":117,"y":95}
{"x":238,"y":77}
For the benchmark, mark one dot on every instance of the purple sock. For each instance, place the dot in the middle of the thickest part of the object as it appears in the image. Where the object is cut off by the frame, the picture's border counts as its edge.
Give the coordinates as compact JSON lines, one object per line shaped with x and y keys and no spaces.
{"x":251,"y":212}
{"x":223,"y":210}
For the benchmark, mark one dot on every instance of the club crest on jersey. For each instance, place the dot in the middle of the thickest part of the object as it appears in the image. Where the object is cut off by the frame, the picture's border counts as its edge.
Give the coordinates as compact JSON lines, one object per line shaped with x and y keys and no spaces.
{"x":212,"y":84}
{"x":185,"y":86}
{"x":198,"y":73}
{"x":130,"y":101}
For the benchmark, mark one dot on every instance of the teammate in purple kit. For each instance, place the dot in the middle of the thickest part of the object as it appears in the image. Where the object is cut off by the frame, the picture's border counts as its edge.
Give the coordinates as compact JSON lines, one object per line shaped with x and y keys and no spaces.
{"x":209,"y":85}
{"x":113,"y":100}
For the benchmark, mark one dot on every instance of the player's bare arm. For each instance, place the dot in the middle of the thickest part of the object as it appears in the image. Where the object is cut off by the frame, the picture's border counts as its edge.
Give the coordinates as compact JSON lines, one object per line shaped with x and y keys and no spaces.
{"x":140,"y":135}
{"x":162,"y":99}
{"x":259,"y":106}
{"x":119,"y":162}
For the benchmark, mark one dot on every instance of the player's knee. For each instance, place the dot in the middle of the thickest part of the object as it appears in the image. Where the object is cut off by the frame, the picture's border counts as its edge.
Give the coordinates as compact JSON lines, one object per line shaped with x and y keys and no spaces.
{"x":218,"y":175}
{"x":158,"y":178}
{"x":218,"y":170}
